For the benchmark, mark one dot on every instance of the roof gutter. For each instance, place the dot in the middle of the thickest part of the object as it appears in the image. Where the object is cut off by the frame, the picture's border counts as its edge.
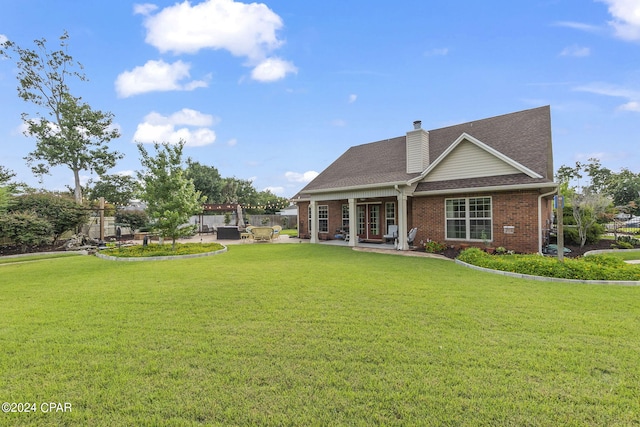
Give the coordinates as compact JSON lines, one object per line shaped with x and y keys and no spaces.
{"x":356,"y":187}
{"x":486,"y":189}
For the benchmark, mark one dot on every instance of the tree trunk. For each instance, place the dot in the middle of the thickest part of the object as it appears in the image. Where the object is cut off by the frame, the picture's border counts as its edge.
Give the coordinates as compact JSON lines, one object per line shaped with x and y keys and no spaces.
{"x":77,"y":191}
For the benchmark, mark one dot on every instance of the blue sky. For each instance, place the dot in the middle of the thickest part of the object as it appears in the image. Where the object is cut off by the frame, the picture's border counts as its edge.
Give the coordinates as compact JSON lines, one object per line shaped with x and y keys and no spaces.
{"x":275,"y":91}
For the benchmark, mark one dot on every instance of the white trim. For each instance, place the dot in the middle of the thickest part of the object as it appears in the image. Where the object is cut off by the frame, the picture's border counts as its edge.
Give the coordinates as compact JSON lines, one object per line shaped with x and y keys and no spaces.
{"x":467,"y":219}
{"x":466,"y":137}
{"x":493,"y":188}
{"x":356,"y":187}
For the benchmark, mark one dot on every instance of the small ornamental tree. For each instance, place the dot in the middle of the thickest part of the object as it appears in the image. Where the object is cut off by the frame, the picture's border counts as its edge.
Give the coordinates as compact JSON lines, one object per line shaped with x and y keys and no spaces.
{"x":171,"y":197}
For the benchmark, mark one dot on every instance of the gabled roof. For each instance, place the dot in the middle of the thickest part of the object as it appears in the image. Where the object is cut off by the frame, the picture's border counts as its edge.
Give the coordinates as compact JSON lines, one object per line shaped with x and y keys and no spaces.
{"x":521,"y":139}
{"x":381,"y":162}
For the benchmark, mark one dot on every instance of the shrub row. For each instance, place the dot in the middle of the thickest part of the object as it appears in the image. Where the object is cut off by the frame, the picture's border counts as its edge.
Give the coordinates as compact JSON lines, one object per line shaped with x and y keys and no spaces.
{"x":594,"y":267}
{"x":162,"y":250}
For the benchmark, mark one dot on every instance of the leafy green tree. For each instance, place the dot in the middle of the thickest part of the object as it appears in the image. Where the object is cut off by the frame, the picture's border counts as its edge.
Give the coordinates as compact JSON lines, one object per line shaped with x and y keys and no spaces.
{"x":171,"y":197}
{"x":26,"y":229}
{"x":624,"y":188}
{"x":6,"y":175}
{"x":588,"y":208}
{"x":59,"y":210}
{"x":207,"y":181}
{"x":116,"y":189}
{"x":135,"y":219}
{"x":4,"y":199}
{"x":71,"y":133}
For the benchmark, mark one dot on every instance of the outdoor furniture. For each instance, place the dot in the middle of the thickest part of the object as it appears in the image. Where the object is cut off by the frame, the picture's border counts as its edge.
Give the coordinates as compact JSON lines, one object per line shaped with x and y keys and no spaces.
{"x":412,"y":236}
{"x":247,"y":233}
{"x":392,"y":233}
{"x":228,"y":233}
{"x":276,"y":232}
{"x":262,"y":234}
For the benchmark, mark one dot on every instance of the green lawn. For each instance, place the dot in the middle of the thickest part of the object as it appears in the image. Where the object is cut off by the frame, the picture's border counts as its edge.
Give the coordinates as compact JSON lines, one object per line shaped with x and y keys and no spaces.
{"x":627,"y":254}
{"x":302,"y":334}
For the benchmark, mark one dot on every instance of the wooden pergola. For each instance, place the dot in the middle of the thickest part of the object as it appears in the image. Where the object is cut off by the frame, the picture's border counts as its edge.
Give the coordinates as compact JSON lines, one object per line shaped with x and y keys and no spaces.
{"x":220,"y":208}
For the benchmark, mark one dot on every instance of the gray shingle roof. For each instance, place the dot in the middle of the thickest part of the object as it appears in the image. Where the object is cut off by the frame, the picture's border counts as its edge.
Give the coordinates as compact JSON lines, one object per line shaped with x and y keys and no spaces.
{"x":523,"y":136}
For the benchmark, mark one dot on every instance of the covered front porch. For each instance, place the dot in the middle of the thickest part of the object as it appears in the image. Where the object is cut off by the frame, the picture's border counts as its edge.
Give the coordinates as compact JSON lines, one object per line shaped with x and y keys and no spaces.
{"x":375,"y":216}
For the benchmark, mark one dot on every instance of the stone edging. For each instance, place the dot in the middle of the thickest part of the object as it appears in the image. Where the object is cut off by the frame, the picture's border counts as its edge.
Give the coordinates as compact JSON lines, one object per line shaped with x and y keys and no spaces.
{"x":82,"y":252}
{"x":159,"y":258}
{"x":551,"y":279}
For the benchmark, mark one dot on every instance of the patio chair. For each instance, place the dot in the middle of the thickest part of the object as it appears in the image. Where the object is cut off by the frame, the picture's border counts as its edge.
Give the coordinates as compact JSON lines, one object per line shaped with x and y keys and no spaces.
{"x":412,"y":236}
{"x":392,"y":233}
{"x":276,"y":232}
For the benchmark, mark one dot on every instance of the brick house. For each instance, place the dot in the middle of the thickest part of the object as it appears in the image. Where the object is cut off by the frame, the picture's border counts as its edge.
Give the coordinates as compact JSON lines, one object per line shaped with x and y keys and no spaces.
{"x":486,"y":182}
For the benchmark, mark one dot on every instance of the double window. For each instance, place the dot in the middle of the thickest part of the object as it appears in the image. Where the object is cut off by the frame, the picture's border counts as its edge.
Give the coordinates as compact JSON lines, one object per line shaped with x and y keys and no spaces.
{"x":323,"y":218}
{"x":469,"y":218}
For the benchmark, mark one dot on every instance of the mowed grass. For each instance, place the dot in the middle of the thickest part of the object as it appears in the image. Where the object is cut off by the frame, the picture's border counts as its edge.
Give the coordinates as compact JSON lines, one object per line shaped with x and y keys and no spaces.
{"x":304,"y":334}
{"x":626,"y":254}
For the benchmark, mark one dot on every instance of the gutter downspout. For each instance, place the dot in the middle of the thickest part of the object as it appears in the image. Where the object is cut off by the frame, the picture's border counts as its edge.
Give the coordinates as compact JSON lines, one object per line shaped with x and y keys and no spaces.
{"x":540,"y":218}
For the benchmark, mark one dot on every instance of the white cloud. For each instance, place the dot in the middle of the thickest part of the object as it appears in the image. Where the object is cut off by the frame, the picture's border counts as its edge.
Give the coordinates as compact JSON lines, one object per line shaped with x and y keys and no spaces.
{"x":626,"y":18}
{"x":272,"y":69}
{"x":632,"y":96}
{"x":190,"y":125}
{"x":352,"y":98}
{"x":3,"y":38}
{"x":301,"y":177}
{"x":278,"y":191}
{"x":630,"y":106}
{"x":576,"y":51}
{"x":244,"y":30}
{"x":442,"y":51}
{"x":232,"y":142}
{"x":338,"y":123}
{"x":144,"y":9}
{"x":578,"y":26}
{"x":156,"y":76}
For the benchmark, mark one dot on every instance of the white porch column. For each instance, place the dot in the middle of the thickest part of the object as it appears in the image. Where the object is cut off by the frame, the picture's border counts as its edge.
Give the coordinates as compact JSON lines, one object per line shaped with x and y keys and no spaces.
{"x":313,"y":225}
{"x":353,"y":229}
{"x":403,"y":228}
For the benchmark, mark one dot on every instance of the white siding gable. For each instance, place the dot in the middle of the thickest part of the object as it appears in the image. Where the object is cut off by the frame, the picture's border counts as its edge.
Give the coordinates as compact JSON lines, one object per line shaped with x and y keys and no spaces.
{"x":468,"y":157}
{"x":469,"y":161}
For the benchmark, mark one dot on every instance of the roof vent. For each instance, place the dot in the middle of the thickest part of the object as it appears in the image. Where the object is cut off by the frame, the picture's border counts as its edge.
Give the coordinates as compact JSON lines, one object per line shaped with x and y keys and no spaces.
{"x":417,"y":124}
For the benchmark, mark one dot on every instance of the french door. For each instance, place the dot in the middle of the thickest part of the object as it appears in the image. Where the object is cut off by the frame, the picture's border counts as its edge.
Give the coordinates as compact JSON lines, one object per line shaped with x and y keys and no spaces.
{"x":368,"y":221}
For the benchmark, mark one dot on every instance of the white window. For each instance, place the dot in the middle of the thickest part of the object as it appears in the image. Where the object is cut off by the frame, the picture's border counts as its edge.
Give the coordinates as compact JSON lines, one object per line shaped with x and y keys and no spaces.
{"x":469,"y":218}
{"x":323,"y":218}
{"x":345,"y":217}
{"x":390,"y":213}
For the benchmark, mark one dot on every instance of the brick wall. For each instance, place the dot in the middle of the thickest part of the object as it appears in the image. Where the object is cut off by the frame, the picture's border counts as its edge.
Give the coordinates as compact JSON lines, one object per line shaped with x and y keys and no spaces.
{"x":518,"y":209}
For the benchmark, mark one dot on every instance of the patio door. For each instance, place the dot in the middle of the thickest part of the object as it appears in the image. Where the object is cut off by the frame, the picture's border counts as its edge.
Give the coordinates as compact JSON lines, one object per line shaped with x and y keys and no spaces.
{"x":368,"y":221}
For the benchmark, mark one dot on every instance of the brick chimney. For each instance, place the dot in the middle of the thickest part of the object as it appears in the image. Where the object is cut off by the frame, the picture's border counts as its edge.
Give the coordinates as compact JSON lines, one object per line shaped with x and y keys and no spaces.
{"x":417,"y":148}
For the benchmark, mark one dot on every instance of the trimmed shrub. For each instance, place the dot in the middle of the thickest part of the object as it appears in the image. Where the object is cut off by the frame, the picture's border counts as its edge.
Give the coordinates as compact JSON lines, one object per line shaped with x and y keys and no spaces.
{"x":26,"y":229}
{"x":595,"y":267}
{"x":162,"y":250}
